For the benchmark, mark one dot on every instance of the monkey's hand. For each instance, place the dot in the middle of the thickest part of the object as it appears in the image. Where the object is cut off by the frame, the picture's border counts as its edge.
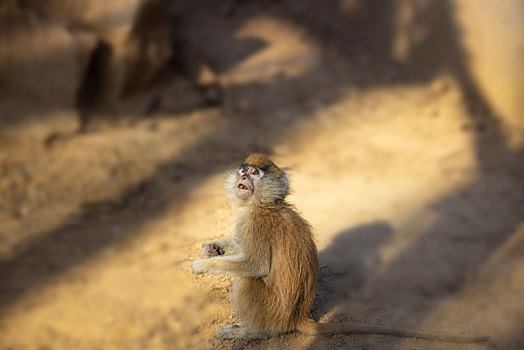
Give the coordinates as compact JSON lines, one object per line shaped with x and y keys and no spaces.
{"x":212,"y":249}
{"x":198,"y":266}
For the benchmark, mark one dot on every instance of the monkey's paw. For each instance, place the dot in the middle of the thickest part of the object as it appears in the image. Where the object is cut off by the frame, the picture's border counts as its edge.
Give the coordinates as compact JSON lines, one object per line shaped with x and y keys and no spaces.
{"x":212,"y":249}
{"x":198,"y":266}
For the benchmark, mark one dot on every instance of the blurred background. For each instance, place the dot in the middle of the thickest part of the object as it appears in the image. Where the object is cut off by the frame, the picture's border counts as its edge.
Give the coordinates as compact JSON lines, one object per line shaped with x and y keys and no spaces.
{"x":401,"y":124}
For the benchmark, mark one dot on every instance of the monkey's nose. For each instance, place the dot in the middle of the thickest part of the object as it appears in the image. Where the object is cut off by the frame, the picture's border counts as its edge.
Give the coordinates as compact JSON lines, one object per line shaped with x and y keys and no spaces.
{"x":244,"y":177}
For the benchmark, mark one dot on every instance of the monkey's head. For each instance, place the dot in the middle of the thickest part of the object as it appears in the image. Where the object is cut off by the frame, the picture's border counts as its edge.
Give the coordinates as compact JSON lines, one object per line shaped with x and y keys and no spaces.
{"x":258,"y":181}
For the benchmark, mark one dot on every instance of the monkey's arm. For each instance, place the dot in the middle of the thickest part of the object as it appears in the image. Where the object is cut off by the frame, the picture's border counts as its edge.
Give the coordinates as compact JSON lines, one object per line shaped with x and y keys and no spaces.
{"x":226,"y":246}
{"x":237,"y":265}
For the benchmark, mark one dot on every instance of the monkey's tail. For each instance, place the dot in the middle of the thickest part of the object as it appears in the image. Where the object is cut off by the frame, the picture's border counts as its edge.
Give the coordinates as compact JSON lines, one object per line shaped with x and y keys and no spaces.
{"x":313,"y":328}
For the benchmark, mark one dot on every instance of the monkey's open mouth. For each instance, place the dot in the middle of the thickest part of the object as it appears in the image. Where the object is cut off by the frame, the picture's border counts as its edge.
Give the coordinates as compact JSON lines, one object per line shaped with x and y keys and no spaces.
{"x":244,"y":189}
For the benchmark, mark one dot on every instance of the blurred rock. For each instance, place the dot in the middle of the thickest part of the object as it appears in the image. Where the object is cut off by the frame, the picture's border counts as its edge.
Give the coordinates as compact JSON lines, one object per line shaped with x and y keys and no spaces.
{"x":41,"y":61}
{"x":87,"y":54}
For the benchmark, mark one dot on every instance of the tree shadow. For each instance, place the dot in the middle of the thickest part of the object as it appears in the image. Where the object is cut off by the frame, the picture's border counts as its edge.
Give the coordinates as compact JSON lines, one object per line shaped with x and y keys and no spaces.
{"x":473,"y":222}
{"x":347,"y":264}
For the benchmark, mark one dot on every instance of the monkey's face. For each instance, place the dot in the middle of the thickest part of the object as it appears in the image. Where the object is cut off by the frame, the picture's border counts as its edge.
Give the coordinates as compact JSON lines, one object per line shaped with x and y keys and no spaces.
{"x":247,"y":176}
{"x":251,"y":185}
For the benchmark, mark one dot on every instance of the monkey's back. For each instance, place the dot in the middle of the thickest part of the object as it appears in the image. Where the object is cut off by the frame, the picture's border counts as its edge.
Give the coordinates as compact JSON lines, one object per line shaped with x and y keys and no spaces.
{"x":282,"y":300}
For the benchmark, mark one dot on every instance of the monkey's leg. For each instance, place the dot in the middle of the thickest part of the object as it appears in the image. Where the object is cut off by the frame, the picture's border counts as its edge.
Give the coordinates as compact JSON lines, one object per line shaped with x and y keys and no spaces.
{"x":222,"y":247}
{"x":238,"y":330}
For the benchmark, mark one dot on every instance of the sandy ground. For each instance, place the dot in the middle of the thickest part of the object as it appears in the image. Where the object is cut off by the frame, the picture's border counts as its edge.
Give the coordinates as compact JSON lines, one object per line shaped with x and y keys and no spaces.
{"x":416,"y":199}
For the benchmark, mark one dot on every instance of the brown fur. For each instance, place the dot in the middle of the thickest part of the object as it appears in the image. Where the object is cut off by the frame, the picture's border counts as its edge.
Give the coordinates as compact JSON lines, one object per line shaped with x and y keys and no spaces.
{"x":280,"y":301}
{"x":274,"y":260}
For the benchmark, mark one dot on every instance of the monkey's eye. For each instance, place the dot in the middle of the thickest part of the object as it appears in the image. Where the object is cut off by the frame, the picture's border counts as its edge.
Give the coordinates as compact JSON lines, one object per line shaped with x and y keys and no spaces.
{"x":257,"y":173}
{"x":242,"y":171}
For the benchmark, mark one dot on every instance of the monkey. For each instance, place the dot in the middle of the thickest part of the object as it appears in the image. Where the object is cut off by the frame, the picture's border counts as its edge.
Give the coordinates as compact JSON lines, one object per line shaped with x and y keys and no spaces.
{"x":273,"y":258}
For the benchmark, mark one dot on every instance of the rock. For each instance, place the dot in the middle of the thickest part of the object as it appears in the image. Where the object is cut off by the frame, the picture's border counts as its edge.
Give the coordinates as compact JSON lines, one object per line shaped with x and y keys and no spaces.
{"x":42,"y":62}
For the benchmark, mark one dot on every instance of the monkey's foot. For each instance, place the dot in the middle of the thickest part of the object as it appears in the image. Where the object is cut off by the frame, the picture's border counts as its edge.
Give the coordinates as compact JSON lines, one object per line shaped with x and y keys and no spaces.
{"x":236,"y":331}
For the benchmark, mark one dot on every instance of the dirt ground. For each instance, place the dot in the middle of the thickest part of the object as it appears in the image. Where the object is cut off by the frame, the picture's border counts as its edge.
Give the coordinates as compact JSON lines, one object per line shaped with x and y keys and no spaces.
{"x":416,"y":198}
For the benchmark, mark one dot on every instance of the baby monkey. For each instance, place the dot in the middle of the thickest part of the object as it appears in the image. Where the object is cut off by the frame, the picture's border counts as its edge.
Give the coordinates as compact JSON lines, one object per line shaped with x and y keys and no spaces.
{"x":274,"y":261}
